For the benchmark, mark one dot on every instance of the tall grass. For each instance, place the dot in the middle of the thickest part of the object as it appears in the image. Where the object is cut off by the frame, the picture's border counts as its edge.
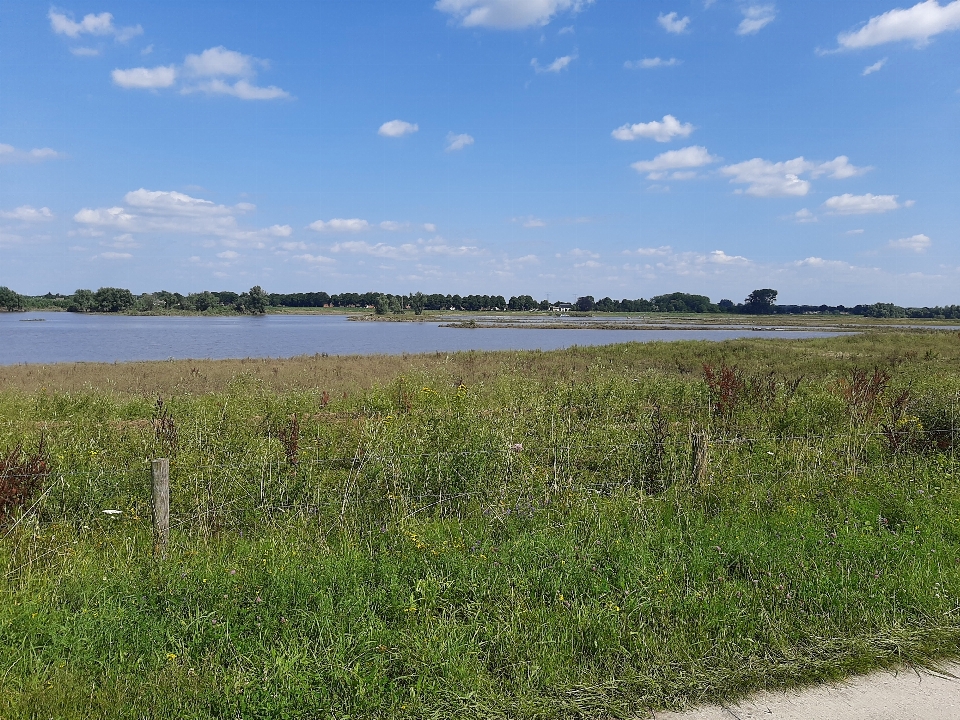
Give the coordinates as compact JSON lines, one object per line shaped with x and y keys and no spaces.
{"x":486,"y":535}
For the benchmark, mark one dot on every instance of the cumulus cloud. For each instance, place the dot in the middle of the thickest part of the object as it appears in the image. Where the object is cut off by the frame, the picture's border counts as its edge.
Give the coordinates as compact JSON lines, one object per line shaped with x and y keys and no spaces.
{"x":407,"y":251}
{"x":91,"y":24}
{"x":350,"y":225}
{"x":659,"y":130}
{"x":783,"y":179}
{"x":397,"y":128}
{"x":686,"y":158}
{"x":804,"y":216}
{"x":661,"y":251}
{"x":672,"y":23}
{"x":848,"y":204}
{"x":142,"y":78}
{"x":458,"y":142}
{"x":27,"y":214}
{"x":556,"y":66}
{"x":916,"y":243}
{"x":532,"y":222}
{"x":215,"y":71}
{"x":219,"y":61}
{"x":10,"y":154}
{"x":112,"y":255}
{"x":755,"y":18}
{"x":507,"y":14}
{"x":870,"y":69}
{"x":648,"y":63}
{"x":171,"y":213}
{"x":917,"y":24}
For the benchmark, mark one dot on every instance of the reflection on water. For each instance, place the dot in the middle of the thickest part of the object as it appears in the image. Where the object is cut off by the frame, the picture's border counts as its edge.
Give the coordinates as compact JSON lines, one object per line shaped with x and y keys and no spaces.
{"x":68,"y":337}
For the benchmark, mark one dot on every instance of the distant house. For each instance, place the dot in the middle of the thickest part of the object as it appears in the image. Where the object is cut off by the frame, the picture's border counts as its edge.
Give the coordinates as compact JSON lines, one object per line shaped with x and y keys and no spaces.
{"x":561,"y":307}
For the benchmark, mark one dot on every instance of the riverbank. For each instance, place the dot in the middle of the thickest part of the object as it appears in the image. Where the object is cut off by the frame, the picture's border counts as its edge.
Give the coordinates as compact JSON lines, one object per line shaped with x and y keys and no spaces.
{"x":594,"y":531}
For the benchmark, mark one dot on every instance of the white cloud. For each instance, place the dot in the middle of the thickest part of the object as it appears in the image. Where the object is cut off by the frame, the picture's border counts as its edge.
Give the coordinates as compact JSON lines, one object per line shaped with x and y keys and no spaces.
{"x":219,"y":61}
{"x":507,"y":14}
{"x":782,"y":179}
{"x":290,"y":246}
{"x":91,"y":24}
{"x":228,"y":255}
{"x":661,"y":251}
{"x":870,"y":69}
{"x":205,"y":73}
{"x":10,"y":154}
{"x":172,"y":213}
{"x":532,"y":222}
{"x":720,"y":257}
{"x":458,"y":142}
{"x":147,"y":50}
{"x":848,"y":204}
{"x":111,"y":255}
{"x":661,"y":131}
{"x":648,"y":63}
{"x":577,"y":252}
{"x":85,"y":51}
{"x":839,"y":168}
{"x":397,"y":128}
{"x":755,"y":18}
{"x":340,"y":225}
{"x":314,"y":259}
{"x":804,"y":216}
{"x":407,"y":251}
{"x":672,"y":24}
{"x":918,"y":23}
{"x":767,"y":179}
{"x":916,"y":243}
{"x":686,"y":158}
{"x":143,"y":78}
{"x":240,"y":89}
{"x":569,"y":29}
{"x":858,"y":231}
{"x":27,"y":213}
{"x":556,"y":66}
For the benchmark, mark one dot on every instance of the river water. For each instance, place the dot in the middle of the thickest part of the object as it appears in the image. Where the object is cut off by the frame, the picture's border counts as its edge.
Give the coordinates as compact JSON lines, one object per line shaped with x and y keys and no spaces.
{"x":49,"y":337}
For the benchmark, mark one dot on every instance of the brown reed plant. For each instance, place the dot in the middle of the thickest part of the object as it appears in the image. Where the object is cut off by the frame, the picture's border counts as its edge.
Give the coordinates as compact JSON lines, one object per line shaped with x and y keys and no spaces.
{"x":164,"y":427}
{"x":728,"y":389}
{"x":290,"y":439}
{"x":22,"y":476}
{"x":862,"y":392}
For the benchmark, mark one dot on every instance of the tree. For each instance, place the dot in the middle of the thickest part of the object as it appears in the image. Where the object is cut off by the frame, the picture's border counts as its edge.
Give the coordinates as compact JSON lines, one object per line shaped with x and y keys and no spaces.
{"x":82,"y":301}
{"x":586,"y":303}
{"x":417,"y":302}
{"x":254,"y":301}
{"x":760,"y":302}
{"x":10,"y":300}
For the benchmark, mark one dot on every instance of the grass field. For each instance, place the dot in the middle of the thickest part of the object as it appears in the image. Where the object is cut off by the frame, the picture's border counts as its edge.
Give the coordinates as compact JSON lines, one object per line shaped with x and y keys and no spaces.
{"x":583,"y":533}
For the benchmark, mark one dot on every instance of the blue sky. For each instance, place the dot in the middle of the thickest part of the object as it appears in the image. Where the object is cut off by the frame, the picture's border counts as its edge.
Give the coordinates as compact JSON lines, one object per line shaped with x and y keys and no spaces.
{"x":561,"y":147}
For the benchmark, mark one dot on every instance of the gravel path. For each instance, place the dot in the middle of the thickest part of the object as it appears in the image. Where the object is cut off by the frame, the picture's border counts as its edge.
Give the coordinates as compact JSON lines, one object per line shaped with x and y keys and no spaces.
{"x":904,"y":695}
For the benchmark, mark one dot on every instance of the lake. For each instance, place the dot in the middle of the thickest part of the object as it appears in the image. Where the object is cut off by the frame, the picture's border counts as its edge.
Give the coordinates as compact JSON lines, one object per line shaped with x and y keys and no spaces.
{"x":50,"y":337}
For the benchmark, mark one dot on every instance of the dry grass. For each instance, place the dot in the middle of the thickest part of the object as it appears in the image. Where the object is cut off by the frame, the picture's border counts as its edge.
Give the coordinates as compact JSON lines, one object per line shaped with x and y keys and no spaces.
{"x":339,"y":375}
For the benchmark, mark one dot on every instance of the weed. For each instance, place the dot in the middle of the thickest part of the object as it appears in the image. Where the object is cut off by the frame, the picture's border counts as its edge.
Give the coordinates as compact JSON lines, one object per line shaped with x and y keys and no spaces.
{"x":21,"y":477}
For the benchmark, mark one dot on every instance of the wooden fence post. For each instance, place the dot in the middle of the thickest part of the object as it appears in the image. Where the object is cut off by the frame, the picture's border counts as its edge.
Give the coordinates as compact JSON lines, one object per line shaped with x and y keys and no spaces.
{"x":699,"y":458}
{"x":160,"y":470}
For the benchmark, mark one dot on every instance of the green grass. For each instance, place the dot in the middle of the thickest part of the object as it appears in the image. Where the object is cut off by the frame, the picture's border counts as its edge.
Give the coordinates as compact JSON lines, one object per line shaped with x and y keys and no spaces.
{"x":532,"y":543}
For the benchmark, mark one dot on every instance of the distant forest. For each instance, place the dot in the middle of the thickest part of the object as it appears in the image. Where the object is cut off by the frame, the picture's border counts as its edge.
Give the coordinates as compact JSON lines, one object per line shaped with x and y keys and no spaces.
{"x":256,"y":301}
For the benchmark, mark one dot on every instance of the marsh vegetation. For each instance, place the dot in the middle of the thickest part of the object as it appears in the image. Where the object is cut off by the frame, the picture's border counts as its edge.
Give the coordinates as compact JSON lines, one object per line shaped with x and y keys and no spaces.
{"x":587,"y":532}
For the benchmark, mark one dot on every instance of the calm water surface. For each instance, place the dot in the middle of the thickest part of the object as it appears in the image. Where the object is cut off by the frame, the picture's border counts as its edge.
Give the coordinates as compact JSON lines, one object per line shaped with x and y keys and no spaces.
{"x":67,"y":337}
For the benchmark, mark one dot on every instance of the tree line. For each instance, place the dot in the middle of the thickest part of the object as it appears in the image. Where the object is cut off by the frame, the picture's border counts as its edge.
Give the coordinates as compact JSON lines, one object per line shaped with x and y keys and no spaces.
{"x":256,"y":301}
